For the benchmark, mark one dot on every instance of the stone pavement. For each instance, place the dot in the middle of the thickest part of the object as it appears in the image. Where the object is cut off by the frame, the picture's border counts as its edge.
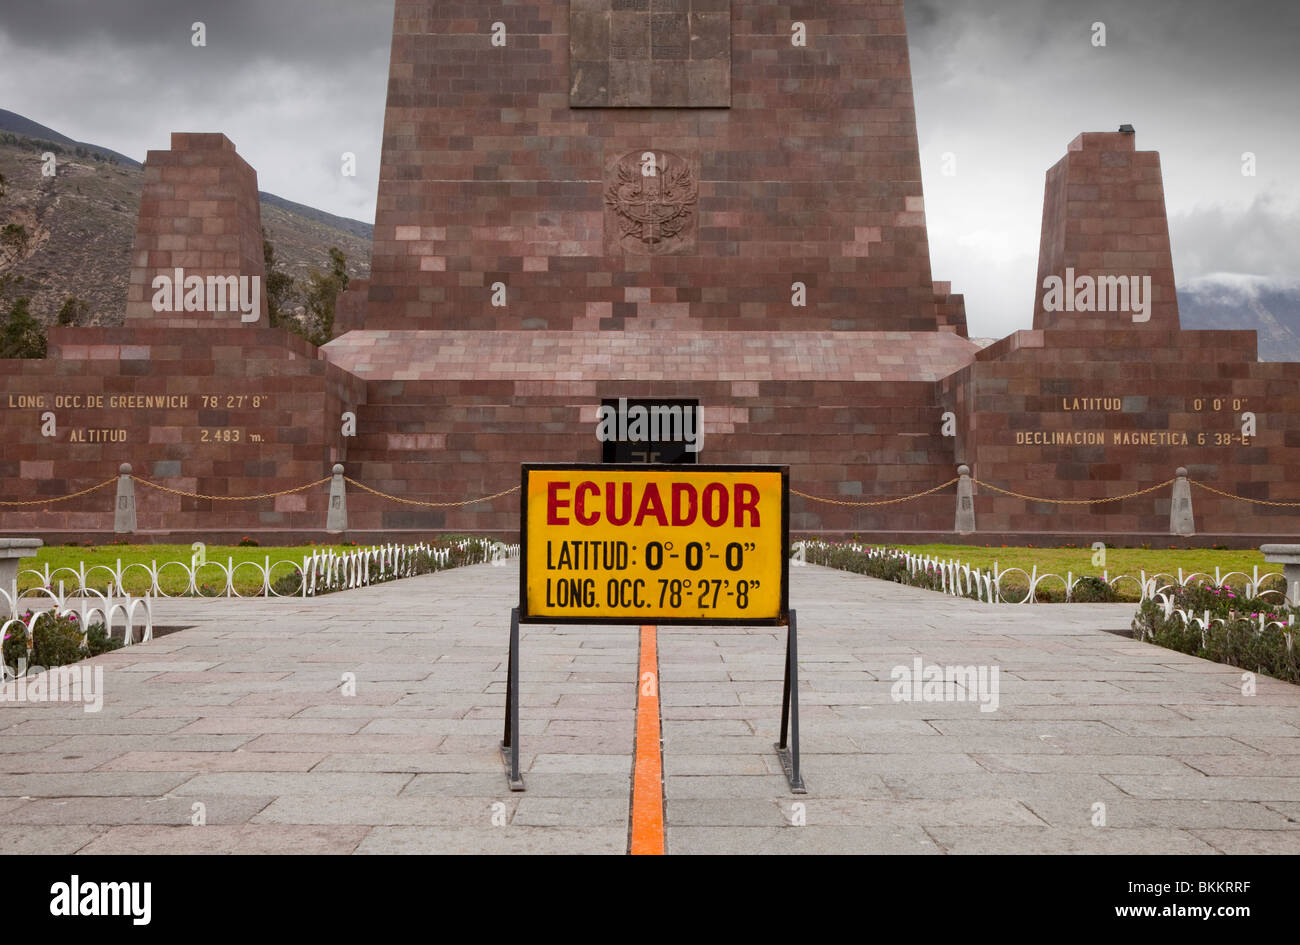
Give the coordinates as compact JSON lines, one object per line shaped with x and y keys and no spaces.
{"x":245,"y":714}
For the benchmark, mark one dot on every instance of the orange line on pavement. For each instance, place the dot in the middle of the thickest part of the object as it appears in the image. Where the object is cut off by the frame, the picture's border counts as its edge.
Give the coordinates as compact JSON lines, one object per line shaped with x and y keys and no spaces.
{"x":646,"y":836}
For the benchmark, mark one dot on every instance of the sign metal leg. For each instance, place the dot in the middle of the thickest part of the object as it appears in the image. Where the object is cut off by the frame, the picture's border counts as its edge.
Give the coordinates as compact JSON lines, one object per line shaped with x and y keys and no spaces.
{"x":788,"y":751}
{"x":510,"y":743}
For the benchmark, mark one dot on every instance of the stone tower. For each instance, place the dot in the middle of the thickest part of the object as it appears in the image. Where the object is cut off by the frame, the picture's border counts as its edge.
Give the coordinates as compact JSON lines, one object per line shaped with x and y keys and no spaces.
{"x":652,"y":164}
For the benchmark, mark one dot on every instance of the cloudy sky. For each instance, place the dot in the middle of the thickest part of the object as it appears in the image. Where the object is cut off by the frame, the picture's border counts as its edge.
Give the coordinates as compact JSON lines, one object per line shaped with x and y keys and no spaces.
{"x":1001,"y":85}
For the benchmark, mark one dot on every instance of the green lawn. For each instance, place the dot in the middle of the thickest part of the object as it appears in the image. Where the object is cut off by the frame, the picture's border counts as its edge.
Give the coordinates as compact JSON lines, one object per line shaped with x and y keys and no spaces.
{"x":173,"y":580}
{"x":1118,"y":560}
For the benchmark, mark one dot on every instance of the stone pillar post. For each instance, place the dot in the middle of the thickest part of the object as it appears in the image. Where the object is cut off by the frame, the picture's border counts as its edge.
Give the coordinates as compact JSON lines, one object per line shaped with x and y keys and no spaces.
{"x":1181,"y":520}
{"x":336,"y":521}
{"x":124,"y":506}
{"x":965,"y":502}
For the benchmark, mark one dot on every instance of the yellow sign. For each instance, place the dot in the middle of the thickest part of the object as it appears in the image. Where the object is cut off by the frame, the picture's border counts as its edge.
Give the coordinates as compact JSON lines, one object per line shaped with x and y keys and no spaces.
{"x":655,"y":544}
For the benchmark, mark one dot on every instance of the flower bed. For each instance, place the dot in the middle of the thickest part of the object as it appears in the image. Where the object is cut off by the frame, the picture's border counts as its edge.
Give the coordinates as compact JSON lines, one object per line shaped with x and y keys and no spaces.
{"x":1217,"y":623}
{"x":1015,"y":585}
{"x":50,"y":639}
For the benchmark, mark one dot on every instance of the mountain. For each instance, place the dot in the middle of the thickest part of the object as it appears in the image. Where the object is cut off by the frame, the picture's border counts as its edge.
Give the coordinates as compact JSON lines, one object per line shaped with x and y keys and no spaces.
{"x":17,"y":124}
{"x":1270,"y":306}
{"x":80,"y":225}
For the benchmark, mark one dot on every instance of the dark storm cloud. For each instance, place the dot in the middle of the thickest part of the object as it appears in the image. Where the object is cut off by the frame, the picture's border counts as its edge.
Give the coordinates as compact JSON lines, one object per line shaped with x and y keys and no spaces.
{"x":1261,"y":241}
{"x":1254,"y":36}
{"x":316,"y":31}
{"x":294,"y":83}
{"x":1005,"y":85}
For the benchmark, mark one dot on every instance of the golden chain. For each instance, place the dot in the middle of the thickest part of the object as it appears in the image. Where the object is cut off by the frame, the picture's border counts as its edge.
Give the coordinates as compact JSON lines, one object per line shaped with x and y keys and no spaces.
{"x":1242,"y":498}
{"x":906,"y":498}
{"x":230,"y":498}
{"x":430,"y":505}
{"x":1113,"y":498}
{"x":489,"y":498}
{"x":64,"y":498}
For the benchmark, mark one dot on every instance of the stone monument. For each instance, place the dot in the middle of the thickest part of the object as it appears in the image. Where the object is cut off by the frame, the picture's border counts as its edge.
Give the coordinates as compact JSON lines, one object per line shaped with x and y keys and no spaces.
{"x":715,"y":203}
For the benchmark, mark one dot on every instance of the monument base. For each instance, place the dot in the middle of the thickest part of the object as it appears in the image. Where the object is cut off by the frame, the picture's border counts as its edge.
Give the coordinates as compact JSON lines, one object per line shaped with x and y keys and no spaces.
{"x":1096,"y":421}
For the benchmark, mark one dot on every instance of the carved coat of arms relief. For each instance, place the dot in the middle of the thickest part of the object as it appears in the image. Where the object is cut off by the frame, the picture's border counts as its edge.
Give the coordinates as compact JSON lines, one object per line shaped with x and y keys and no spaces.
{"x":651,"y":203}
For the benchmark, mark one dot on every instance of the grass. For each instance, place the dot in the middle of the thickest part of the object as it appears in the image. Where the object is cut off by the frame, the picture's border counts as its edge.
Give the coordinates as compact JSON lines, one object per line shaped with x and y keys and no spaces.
{"x":1118,"y":561}
{"x":171,"y":580}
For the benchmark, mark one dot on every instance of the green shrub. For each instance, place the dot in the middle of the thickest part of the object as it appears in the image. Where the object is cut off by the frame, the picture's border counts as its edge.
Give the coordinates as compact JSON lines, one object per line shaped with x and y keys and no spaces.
{"x":1093,"y":590}
{"x":98,"y":641}
{"x":15,"y":646}
{"x":288,"y":585}
{"x":1234,"y":635}
{"x":56,"y":641}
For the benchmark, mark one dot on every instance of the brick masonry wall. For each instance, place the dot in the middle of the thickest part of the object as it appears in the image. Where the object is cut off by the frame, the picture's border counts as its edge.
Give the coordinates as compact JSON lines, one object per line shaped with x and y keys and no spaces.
{"x":199,"y":212}
{"x":1104,"y":216}
{"x":441,"y":441}
{"x":229,"y":386}
{"x":1196,"y":383}
{"x":812,"y":175}
{"x":452,"y":414}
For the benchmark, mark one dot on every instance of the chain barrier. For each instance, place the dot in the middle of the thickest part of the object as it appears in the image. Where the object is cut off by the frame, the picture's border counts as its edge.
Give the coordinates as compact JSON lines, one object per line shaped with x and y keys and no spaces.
{"x":430,"y":505}
{"x":1112,"y":498}
{"x":513,"y":489}
{"x":1242,"y":498}
{"x":63,"y":498}
{"x":905,"y":498}
{"x":229,"y":498}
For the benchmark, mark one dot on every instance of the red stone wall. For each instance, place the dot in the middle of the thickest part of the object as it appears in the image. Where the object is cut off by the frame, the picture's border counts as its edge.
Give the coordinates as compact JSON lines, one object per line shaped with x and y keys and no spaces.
{"x":199,"y":211}
{"x":812,"y":175}
{"x":1197,"y":383}
{"x":1104,"y":215}
{"x":445,"y":441}
{"x":451,"y":414}
{"x":230,"y":387}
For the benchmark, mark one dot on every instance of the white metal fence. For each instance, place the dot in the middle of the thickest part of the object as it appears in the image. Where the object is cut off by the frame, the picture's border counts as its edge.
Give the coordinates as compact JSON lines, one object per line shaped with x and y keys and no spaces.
{"x":961,"y":580}
{"x":1204,"y":622}
{"x":317,"y":573}
{"x":20,"y":611}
